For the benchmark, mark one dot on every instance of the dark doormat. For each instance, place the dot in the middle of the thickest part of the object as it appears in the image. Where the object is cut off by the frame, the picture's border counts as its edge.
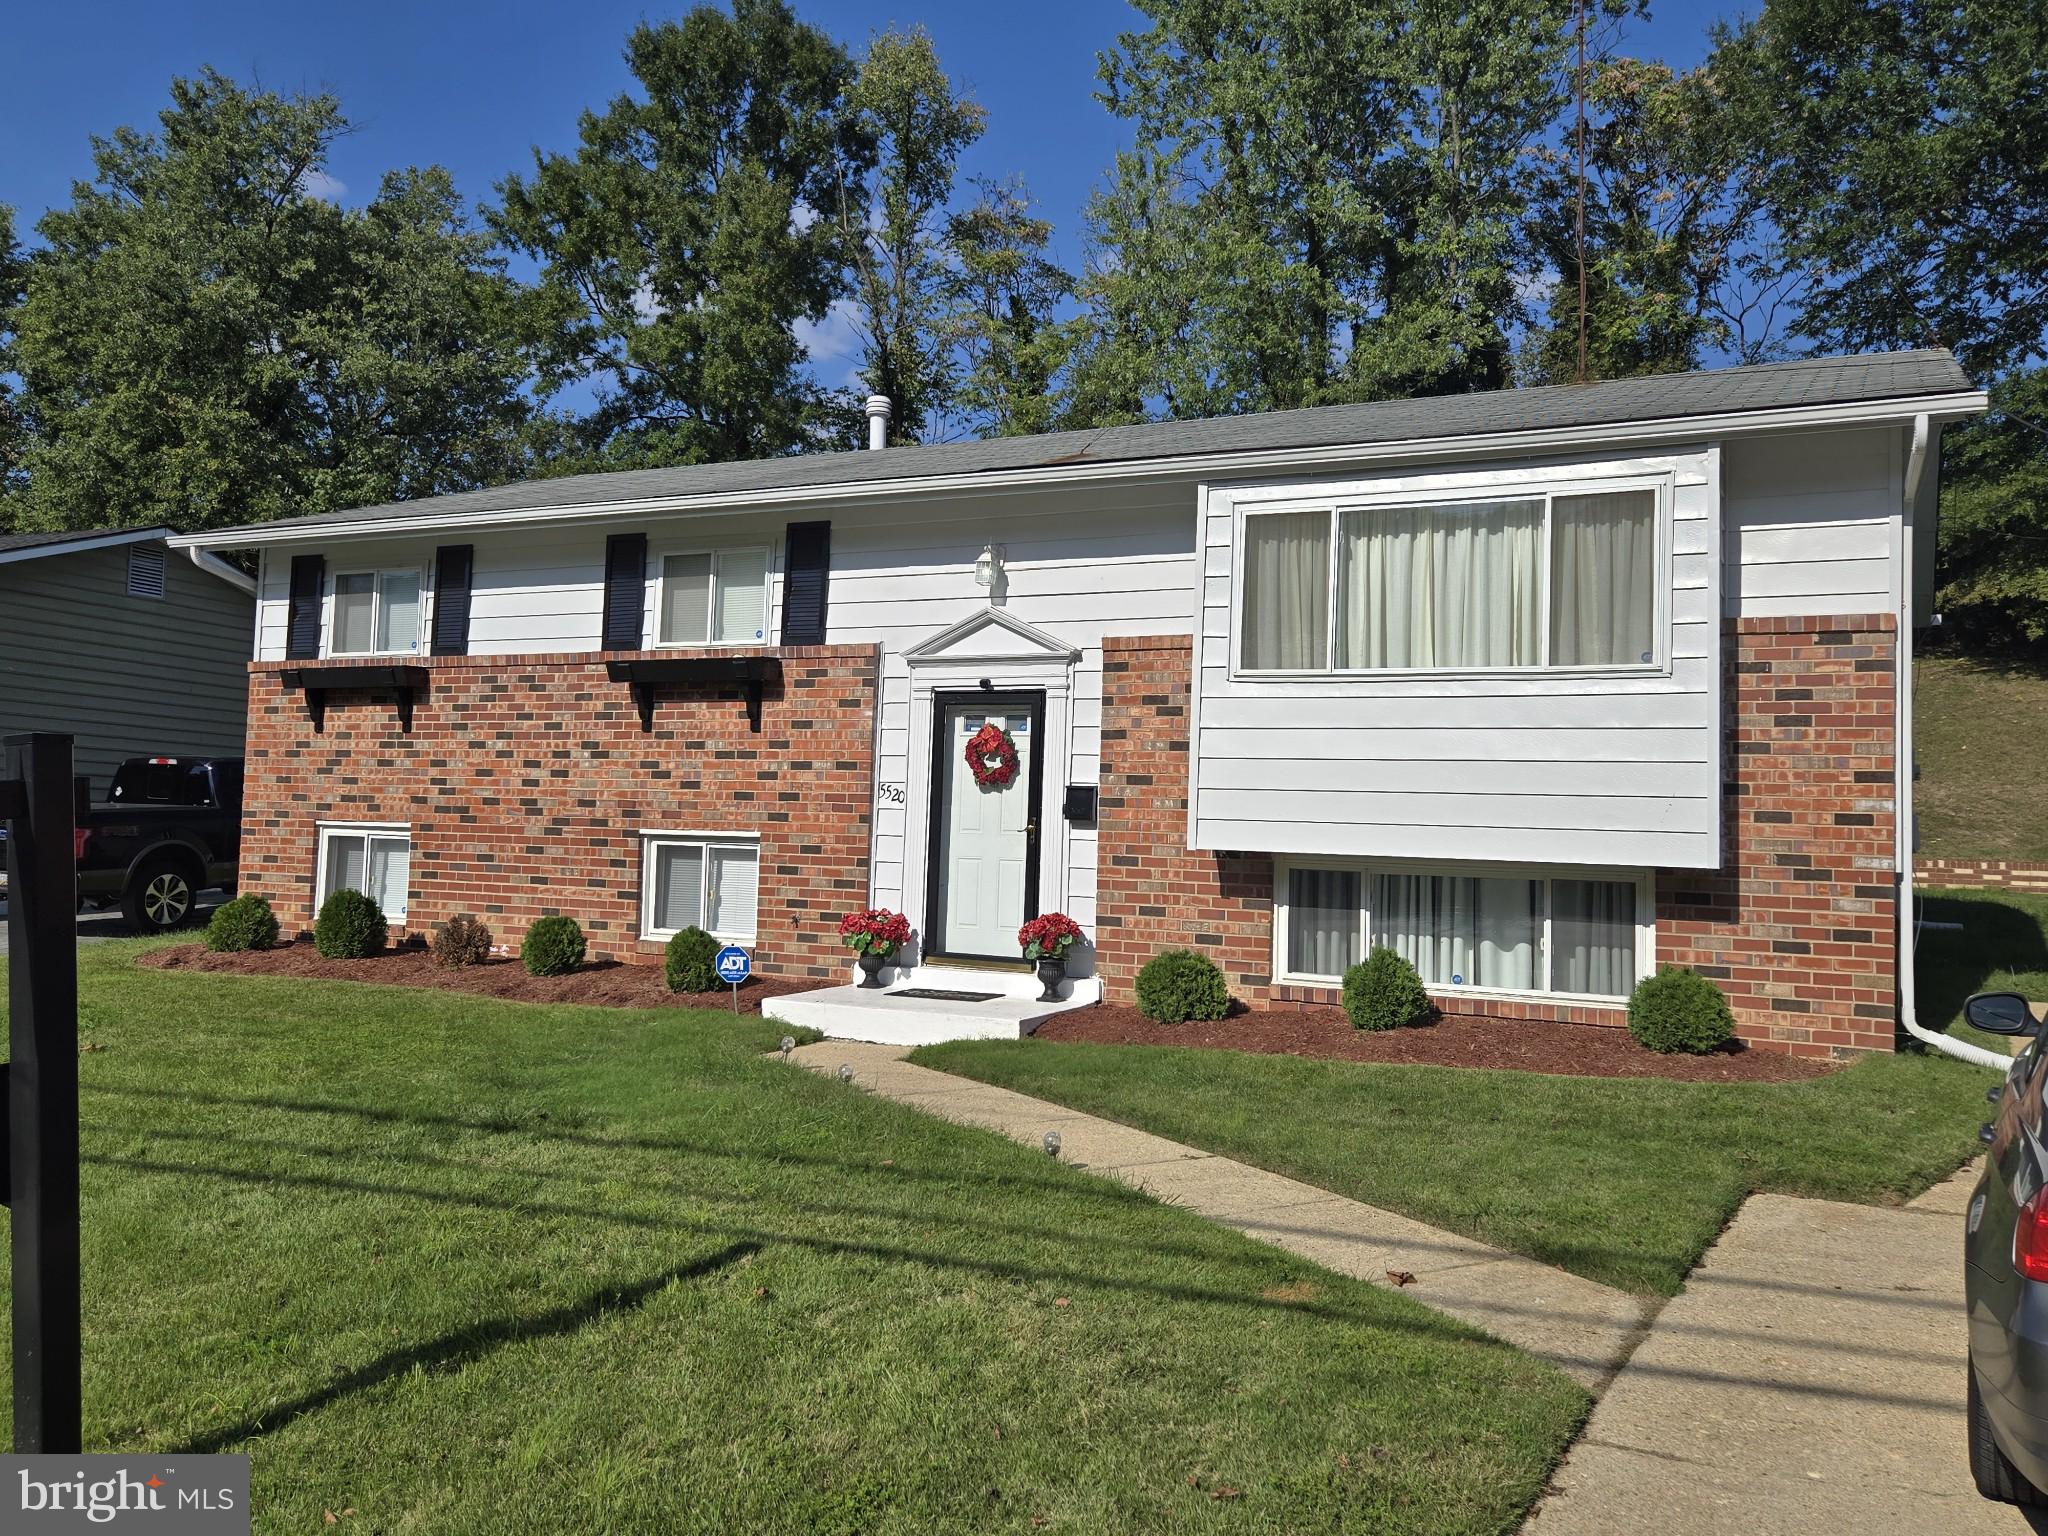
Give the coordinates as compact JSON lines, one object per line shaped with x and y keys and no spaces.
{"x":941,"y":995}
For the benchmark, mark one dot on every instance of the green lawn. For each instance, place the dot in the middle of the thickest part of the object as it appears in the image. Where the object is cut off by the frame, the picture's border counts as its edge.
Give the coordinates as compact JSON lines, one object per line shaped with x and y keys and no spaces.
{"x":458,"y":1265}
{"x":1983,"y":790}
{"x":2002,"y":947}
{"x":1623,"y":1180}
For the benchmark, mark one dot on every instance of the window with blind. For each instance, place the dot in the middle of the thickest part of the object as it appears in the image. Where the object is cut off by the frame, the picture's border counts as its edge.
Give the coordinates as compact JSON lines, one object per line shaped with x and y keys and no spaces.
{"x":374,"y":860}
{"x":376,"y":613}
{"x":714,"y":597}
{"x":1538,"y":579}
{"x":1507,"y":931}
{"x":699,"y":882}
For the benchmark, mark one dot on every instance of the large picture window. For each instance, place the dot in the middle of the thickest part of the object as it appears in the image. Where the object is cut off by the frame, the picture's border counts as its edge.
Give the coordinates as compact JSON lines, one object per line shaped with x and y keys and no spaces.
{"x":376,"y":613}
{"x":376,"y":860}
{"x":699,"y":882}
{"x":1547,"y":579}
{"x":1503,"y":932}
{"x":714,"y":597}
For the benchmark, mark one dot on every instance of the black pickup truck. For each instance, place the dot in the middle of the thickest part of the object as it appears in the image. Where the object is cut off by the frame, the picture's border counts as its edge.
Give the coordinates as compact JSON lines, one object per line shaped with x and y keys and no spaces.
{"x":170,"y":828}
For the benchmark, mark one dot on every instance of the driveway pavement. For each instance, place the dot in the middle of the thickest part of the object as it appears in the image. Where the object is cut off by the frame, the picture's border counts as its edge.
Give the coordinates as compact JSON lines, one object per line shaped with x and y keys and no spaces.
{"x":1809,"y":1378}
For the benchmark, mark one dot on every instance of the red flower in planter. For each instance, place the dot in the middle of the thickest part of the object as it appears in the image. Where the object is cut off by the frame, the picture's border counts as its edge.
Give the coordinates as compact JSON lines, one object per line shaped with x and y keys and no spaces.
{"x":875,"y":931}
{"x":1051,"y":934}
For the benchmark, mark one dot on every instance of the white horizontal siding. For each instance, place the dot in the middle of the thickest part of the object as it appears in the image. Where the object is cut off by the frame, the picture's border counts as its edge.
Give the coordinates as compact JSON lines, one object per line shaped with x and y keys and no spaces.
{"x":1811,"y":523}
{"x":1618,"y":768}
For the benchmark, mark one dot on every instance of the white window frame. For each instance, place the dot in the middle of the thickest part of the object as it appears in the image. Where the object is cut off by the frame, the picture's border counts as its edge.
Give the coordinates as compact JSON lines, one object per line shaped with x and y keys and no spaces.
{"x":1643,"y":880}
{"x":651,"y":842}
{"x":329,"y":830}
{"x":658,"y":580}
{"x":1335,"y":501}
{"x":377,"y":574}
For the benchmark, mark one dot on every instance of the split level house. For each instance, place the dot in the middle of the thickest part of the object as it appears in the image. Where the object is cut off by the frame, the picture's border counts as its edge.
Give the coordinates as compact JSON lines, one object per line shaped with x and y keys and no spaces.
{"x":1542,"y":688}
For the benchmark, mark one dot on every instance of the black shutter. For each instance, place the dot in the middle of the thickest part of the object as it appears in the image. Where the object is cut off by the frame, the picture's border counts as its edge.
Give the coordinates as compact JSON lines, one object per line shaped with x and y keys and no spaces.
{"x":625,"y":591}
{"x":806,"y":576}
{"x":302,"y":614}
{"x":451,"y":599}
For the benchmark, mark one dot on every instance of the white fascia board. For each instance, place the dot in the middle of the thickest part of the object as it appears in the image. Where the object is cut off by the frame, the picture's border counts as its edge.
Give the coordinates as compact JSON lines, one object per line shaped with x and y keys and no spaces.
{"x":84,"y":542}
{"x":1208,"y":465}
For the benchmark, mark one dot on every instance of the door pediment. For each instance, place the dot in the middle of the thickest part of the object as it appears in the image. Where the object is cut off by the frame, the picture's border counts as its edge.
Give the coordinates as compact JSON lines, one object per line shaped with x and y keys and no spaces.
{"x":992,"y":635}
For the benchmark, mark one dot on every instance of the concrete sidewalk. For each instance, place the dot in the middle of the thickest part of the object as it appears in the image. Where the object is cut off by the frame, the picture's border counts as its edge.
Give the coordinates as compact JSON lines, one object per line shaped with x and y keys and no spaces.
{"x":1809,"y":1378}
{"x":1582,"y":1327}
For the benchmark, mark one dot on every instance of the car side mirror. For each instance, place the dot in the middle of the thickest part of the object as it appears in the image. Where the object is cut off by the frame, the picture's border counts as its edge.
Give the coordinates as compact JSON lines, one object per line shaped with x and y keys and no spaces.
{"x":2000,"y":1013}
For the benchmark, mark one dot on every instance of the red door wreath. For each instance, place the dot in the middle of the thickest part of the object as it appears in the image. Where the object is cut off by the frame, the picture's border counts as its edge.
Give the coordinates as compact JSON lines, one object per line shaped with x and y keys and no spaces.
{"x":992,"y":754}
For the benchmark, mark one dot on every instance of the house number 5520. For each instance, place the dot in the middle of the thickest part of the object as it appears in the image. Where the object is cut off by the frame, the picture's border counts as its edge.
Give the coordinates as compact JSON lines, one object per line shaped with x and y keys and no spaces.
{"x":891,"y":794}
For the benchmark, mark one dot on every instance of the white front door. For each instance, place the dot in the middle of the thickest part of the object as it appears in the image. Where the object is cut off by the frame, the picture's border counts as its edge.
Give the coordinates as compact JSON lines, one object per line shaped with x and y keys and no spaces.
{"x":986,"y":836}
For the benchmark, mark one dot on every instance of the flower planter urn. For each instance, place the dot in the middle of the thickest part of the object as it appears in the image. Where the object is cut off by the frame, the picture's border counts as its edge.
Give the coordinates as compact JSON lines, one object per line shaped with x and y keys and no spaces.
{"x":871,"y":963}
{"x":1052,"y":970}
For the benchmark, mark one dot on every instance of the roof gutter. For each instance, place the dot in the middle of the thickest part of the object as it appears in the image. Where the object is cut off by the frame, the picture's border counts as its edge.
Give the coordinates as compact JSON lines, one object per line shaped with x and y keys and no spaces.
{"x":1208,"y":465}
{"x":213,"y":565}
{"x":1902,"y":760}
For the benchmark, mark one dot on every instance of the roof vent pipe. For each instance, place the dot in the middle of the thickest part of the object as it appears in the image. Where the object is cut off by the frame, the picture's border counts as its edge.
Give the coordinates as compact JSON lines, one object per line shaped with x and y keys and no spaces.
{"x":878,"y":421}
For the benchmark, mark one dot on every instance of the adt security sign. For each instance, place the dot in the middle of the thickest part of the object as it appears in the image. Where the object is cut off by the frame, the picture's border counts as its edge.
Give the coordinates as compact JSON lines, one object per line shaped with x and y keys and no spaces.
{"x":734,"y":966}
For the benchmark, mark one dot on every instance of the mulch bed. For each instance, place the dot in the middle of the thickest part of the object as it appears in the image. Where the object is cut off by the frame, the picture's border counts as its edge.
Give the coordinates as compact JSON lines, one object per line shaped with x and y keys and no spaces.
{"x":1572,"y":1050}
{"x":603,"y":982}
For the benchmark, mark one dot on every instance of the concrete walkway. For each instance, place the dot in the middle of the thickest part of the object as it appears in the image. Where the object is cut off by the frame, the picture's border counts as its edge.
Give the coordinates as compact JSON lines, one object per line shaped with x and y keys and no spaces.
{"x":1582,"y":1327}
{"x":1809,"y":1378}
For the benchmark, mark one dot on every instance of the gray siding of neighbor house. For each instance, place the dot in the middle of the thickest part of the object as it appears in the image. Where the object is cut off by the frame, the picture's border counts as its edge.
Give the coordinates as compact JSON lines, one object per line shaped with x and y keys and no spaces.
{"x":126,"y":676}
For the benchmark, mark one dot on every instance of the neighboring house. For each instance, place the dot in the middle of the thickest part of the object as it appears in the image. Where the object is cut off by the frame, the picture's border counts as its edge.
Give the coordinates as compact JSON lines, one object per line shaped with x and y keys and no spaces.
{"x":1542,"y":687}
{"x":132,"y":650}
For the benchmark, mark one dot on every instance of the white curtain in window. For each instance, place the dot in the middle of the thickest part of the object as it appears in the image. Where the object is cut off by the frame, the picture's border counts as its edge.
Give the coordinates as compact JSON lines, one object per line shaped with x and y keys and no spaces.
{"x":1593,"y":937}
{"x":678,"y":886}
{"x":742,"y":597}
{"x":1286,"y":610}
{"x":735,"y":876}
{"x":685,"y":599}
{"x":355,"y":606}
{"x":1323,"y":936}
{"x":1457,"y":930}
{"x":1440,"y":586}
{"x":390,"y":875}
{"x":398,"y":616}
{"x":1603,"y":556}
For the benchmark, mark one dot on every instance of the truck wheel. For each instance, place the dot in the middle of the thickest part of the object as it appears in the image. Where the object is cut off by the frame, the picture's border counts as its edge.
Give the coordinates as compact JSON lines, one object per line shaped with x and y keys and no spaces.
{"x":159,"y":898}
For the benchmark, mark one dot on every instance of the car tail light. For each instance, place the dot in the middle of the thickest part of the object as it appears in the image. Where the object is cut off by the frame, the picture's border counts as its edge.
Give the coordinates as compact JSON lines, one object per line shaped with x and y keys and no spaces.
{"x":80,"y":836}
{"x":2030,"y":1237}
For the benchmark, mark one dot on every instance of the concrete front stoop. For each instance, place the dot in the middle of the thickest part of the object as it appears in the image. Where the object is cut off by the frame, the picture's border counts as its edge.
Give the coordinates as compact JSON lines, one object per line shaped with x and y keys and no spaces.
{"x":1583,"y":1328}
{"x":884,"y":1016}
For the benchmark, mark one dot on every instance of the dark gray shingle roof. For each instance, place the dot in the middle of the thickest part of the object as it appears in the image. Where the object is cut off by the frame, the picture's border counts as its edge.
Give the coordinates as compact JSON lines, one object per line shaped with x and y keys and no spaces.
{"x":10,"y":542}
{"x":1712,"y":392}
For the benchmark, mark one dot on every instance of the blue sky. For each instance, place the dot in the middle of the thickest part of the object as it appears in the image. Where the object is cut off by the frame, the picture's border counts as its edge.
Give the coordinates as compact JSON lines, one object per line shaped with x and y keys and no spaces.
{"x":475,"y":84}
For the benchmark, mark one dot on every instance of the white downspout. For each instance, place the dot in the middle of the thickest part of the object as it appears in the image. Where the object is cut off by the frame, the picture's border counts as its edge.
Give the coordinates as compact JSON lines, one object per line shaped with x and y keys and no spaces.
{"x":1902,"y":755}
{"x":213,"y":565}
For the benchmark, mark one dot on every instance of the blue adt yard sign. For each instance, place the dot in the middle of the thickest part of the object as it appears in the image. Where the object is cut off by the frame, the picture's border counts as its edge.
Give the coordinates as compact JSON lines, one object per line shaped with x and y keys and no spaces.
{"x":733,"y":966}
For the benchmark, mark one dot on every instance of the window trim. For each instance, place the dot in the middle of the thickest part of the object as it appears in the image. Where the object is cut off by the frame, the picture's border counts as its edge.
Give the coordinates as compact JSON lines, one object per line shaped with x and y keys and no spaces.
{"x":1335,"y":500}
{"x":326,"y":831}
{"x":377,"y":573}
{"x":1646,"y":918}
{"x":651,"y":841}
{"x":657,"y":579}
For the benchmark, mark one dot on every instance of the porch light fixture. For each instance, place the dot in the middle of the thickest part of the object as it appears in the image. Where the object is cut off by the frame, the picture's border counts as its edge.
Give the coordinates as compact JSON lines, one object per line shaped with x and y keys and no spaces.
{"x":988,"y":566}
{"x":1052,"y":1143}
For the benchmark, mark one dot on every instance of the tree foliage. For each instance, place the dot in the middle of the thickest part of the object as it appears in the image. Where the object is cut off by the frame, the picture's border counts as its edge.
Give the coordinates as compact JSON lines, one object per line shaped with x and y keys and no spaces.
{"x":204,"y":341}
{"x":690,"y":235}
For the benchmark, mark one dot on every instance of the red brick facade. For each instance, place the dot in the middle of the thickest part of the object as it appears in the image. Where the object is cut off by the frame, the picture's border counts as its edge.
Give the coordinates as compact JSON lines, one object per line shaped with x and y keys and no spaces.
{"x":527,"y":781}
{"x":1796,"y":926}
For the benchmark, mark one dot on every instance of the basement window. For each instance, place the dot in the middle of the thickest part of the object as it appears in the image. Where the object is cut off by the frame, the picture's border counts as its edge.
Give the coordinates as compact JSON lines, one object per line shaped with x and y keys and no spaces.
{"x":375,"y":859}
{"x":376,"y":613}
{"x":708,"y":881}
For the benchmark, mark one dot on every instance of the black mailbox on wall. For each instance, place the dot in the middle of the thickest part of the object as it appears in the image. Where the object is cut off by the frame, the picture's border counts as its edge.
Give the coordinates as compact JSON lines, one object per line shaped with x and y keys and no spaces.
{"x":1080,"y":802}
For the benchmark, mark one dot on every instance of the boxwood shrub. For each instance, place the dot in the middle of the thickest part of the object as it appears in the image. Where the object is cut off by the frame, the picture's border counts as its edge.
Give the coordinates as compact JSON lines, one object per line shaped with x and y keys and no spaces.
{"x":553,"y":946}
{"x":462,"y":941}
{"x":1679,"y":1010}
{"x":349,"y":927}
{"x":1177,"y":985}
{"x":1383,"y":991}
{"x":689,"y":963}
{"x":244,"y":923}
